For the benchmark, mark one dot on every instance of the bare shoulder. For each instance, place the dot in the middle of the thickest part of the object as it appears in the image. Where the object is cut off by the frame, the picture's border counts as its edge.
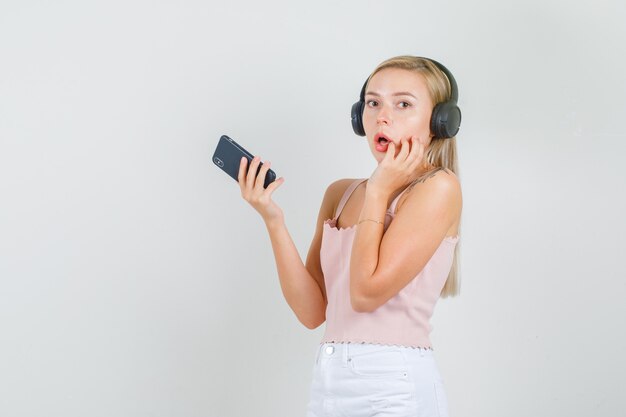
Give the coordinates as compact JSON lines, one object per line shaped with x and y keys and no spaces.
{"x":443,"y":178}
{"x":335,"y":191}
{"x":337,"y":188}
{"x":340,"y":185}
{"x":441,"y":183}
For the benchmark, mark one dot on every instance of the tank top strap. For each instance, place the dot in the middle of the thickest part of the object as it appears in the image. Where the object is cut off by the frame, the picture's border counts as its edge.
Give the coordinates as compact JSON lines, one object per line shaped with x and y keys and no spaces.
{"x":394,"y":203}
{"x":346,"y":196}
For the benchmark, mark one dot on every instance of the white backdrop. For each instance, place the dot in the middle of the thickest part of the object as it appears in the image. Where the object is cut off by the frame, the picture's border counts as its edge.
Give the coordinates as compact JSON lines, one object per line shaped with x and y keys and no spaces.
{"x":134,"y":280}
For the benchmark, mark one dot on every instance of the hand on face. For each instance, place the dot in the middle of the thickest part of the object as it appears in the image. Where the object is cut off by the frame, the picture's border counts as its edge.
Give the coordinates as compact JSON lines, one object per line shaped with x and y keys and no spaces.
{"x":399,"y":106}
{"x":398,"y":168}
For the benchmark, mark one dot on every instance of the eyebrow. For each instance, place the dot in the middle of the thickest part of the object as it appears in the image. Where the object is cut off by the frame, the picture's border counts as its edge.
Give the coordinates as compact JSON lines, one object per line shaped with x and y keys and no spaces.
{"x":400,"y":93}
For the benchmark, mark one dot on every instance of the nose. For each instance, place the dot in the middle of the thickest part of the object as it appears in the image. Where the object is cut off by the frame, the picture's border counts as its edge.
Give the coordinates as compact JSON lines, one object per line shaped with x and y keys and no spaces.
{"x":382,"y":118}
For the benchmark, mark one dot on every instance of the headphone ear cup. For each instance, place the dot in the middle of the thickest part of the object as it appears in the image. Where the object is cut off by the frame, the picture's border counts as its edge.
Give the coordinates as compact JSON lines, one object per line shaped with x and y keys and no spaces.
{"x":357,"y":118}
{"x":445,"y":120}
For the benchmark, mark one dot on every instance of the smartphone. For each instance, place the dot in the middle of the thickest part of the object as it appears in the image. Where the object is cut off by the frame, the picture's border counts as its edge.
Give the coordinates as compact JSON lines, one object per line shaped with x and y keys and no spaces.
{"x":227,"y":156}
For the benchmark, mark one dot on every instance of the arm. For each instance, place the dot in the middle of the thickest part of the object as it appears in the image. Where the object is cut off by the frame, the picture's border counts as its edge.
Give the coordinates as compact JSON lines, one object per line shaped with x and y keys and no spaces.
{"x":302,"y":286}
{"x":381,"y":265}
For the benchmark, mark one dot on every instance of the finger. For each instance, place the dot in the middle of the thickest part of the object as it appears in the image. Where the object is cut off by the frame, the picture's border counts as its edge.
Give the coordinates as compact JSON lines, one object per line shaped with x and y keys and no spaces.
{"x":254,"y":165}
{"x":404,"y":150}
{"x":241,"y":175}
{"x":391,"y":152}
{"x":415,"y":148}
{"x":274,"y":185}
{"x":260,"y":179}
{"x":417,"y":153}
{"x":409,"y":148}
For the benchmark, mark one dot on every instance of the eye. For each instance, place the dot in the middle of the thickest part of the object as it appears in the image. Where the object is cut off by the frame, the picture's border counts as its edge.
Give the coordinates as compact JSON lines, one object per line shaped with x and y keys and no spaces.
{"x":372,"y":103}
{"x":404,"y":104}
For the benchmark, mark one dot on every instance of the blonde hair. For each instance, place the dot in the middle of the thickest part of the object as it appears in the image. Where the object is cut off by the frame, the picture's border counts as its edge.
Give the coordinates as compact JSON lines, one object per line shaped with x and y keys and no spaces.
{"x":441,"y":153}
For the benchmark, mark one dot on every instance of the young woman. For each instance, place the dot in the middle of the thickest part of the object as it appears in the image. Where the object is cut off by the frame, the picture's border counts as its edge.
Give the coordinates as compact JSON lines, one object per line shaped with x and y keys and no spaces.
{"x":384,"y":249}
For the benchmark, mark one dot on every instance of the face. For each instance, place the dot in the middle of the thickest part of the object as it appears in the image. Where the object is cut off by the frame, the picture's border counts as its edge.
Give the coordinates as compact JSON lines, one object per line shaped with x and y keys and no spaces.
{"x":397,"y":106}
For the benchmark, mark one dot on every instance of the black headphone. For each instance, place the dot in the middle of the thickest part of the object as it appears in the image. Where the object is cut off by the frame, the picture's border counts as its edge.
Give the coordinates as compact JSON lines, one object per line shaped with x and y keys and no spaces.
{"x":446,"y":117}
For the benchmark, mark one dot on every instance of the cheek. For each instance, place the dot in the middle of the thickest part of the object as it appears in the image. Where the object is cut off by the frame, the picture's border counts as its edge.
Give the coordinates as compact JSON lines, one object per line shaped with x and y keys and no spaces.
{"x":368,"y":118}
{"x":421,"y":126}
{"x":370,"y":126}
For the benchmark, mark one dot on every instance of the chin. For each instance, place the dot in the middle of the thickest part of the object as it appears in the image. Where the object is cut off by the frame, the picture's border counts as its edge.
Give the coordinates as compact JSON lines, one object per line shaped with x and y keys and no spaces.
{"x":378,"y":156}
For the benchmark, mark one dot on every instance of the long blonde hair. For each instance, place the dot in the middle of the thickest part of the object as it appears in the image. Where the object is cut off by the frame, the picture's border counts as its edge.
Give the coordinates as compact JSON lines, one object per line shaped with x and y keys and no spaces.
{"x":441,"y":153}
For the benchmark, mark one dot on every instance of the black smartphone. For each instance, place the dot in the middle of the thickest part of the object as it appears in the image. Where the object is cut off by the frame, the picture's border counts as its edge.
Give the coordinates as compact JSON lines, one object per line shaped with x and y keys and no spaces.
{"x":227,"y":156}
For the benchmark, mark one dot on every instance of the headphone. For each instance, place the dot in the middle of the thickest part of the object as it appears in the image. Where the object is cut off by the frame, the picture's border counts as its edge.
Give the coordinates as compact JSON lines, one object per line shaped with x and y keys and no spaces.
{"x":444,"y":121}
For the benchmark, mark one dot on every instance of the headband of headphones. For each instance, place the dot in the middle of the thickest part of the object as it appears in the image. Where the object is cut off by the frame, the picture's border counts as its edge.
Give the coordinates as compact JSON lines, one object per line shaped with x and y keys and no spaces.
{"x":444,"y":121}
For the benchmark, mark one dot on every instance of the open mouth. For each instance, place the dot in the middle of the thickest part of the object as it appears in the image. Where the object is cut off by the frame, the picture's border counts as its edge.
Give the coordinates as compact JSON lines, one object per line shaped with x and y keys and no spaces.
{"x":382,"y":142}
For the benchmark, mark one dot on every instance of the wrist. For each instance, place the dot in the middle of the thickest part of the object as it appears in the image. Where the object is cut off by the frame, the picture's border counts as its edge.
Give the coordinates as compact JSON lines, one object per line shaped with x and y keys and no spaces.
{"x":371,"y":220}
{"x":274,"y":223}
{"x":376,"y":193}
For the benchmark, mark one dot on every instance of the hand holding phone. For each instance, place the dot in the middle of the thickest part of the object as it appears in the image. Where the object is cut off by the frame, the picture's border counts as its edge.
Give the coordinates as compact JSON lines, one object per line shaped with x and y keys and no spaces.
{"x":228,"y":154}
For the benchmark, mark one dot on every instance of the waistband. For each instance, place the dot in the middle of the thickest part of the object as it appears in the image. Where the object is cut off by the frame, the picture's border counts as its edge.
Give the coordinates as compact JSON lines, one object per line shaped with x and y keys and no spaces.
{"x":346,"y":351}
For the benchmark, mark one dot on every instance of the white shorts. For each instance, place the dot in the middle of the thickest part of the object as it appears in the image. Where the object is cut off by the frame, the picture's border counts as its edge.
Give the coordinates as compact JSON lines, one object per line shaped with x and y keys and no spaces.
{"x":364,"y":380}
